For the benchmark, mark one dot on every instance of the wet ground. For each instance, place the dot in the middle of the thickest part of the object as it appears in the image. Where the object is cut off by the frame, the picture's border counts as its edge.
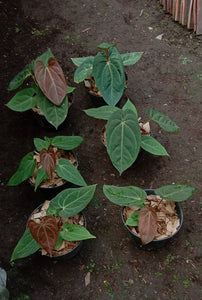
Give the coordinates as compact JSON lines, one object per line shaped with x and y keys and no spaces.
{"x":169,"y":78}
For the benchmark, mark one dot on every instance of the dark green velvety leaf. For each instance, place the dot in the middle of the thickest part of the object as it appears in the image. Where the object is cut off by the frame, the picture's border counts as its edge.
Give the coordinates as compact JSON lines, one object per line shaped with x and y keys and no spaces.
{"x":23,"y":100}
{"x":129,"y":105}
{"x":66,"y":142}
{"x":109,"y":75}
{"x":73,"y":232}
{"x":133,"y":219}
{"x":131,"y":58}
{"x":84,"y":70}
{"x":175,"y":193}
{"x":54,"y":114}
{"x":19,"y":78}
{"x":41,"y":144}
{"x":26,"y":246}
{"x":67,"y":171}
{"x":125,"y":196}
{"x":79,"y":60}
{"x":71,"y":201}
{"x":162,"y":120}
{"x":123,"y":139}
{"x":25,"y":170}
{"x":41,"y":175}
{"x":149,"y":144}
{"x":103,"y":112}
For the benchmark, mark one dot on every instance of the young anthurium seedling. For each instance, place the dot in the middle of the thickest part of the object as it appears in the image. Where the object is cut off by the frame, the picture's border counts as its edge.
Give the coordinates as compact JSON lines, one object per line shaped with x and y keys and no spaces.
{"x":107,"y":68}
{"x":49,"y":162}
{"x":49,"y":226}
{"x":151,"y":215}
{"x":47,"y":92}
{"x":125,"y":135}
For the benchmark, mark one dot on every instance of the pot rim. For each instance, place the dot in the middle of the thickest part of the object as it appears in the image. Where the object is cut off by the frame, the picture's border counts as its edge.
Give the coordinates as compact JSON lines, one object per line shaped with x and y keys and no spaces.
{"x":75,"y":249}
{"x":58,"y":186}
{"x":179,"y":212}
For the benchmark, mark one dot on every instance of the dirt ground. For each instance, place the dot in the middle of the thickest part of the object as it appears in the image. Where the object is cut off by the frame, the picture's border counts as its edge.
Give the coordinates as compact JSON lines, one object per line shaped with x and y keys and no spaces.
{"x":169,"y":78}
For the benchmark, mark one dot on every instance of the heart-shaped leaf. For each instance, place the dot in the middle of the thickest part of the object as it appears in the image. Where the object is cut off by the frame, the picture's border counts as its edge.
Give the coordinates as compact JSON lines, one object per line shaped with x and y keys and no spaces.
{"x":71,"y":201}
{"x":51,"y":80}
{"x":66,"y":170}
{"x":46,"y":232}
{"x":147,"y":224}
{"x":133,"y":219}
{"x":103,"y":112}
{"x":175,"y":193}
{"x":129,"y":105}
{"x":125,"y":196}
{"x":20,"y":77}
{"x":79,"y":60}
{"x":26,"y":246}
{"x":24,"y":171}
{"x":131,"y":58}
{"x":73,"y":232}
{"x":48,"y":160}
{"x":149,"y":144}
{"x":66,"y":142}
{"x":40,"y":144}
{"x":109,"y":75}
{"x":54,"y":114}
{"x":123,"y":139}
{"x":41,"y":175}
{"x":162,"y":120}
{"x":23,"y":100}
{"x":84,"y":70}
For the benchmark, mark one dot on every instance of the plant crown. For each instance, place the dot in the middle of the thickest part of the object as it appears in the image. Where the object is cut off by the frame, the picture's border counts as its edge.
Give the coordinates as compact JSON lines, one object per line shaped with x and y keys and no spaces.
{"x":48,"y":91}
{"x":107,"y":68}
{"x":50,"y":232}
{"x":64,"y":168}
{"x":123,"y":133}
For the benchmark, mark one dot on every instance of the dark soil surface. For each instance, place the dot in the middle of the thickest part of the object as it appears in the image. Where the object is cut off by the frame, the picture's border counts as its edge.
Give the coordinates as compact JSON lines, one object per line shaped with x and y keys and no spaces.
{"x":169,"y":78}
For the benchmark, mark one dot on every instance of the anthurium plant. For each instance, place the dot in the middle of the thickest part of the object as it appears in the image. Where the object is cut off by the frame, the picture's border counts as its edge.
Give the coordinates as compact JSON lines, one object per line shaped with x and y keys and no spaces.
{"x":149,"y":215}
{"x":47,"y":89}
{"x":107,"y":68}
{"x":48,"y":159}
{"x":123,"y":133}
{"x":53,"y":224}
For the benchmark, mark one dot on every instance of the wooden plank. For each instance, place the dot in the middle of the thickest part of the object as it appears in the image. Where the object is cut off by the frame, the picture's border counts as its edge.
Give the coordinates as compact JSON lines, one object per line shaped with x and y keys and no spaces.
{"x":199,"y":17}
{"x":190,"y":16}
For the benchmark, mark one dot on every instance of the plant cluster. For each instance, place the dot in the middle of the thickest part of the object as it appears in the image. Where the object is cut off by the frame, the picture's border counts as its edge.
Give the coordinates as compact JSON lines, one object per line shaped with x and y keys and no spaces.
{"x":123,"y":133}
{"x":60,"y":221}
{"x":146,"y":217}
{"x":107,"y":69}
{"x":49,"y":161}
{"x":53,"y":226}
{"x":47,"y":92}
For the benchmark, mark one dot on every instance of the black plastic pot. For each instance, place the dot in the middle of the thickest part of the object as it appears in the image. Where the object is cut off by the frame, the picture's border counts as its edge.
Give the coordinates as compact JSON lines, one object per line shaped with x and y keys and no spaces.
{"x":98,"y":101}
{"x":48,"y":193}
{"x":155,"y":244}
{"x":41,"y":120}
{"x":69,"y":254}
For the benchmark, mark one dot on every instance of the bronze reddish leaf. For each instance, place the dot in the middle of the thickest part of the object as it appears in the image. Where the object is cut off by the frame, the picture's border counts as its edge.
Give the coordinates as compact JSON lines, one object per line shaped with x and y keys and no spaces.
{"x":147,"y":224}
{"x":48,"y":161}
{"x":46,"y":232}
{"x":51,"y":80}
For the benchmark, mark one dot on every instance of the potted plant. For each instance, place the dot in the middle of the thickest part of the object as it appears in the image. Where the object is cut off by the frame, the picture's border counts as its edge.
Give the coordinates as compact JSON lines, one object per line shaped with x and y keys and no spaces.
{"x":57,"y":227}
{"x":47,"y":91}
{"x":151,"y":216}
{"x":105,"y":72}
{"x":125,"y":136}
{"x":51,"y":164}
